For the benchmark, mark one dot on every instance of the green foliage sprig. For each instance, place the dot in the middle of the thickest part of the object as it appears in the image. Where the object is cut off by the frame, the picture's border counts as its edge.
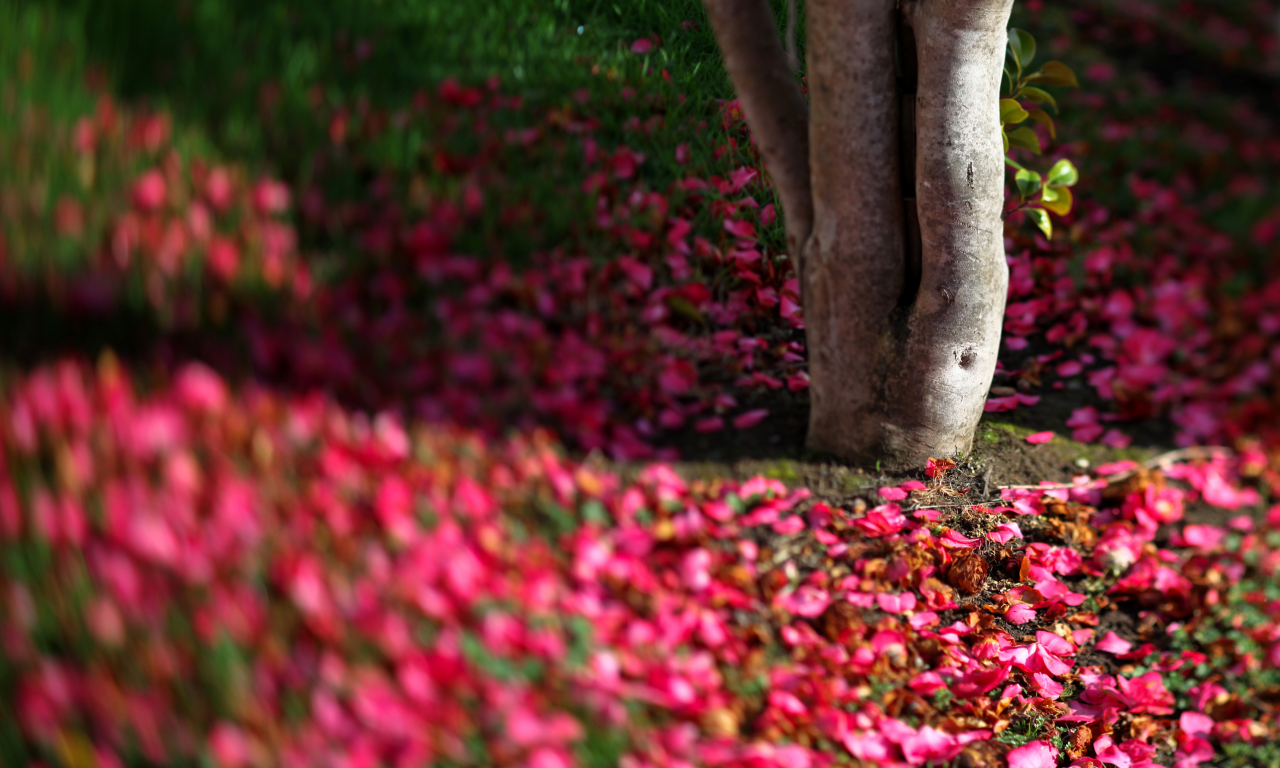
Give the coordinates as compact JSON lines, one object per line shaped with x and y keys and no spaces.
{"x":1039,"y":194}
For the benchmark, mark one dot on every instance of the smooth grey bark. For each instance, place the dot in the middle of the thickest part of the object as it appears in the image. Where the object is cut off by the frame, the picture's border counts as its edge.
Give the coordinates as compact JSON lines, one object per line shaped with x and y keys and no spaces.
{"x":900,"y":354}
{"x":956,"y":318}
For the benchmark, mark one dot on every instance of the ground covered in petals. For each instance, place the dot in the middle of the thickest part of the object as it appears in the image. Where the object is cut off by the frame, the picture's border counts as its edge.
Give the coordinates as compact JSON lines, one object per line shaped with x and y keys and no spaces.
{"x":426,"y":386}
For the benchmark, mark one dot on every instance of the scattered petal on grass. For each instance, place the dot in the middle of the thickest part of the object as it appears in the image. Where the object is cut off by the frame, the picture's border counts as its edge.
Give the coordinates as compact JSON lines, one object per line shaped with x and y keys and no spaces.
{"x":1039,"y":437}
{"x":1116,"y":439}
{"x":750,"y":418}
{"x":642,"y":45}
{"x":742,"y":229}
{"x":709,"y":424}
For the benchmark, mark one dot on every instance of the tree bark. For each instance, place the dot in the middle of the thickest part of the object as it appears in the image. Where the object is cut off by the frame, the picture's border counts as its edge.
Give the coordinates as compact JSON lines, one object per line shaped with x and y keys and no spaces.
{"x":955,"y":320}
{"x":773,"y":104}
{"x":901,"y":353}
{"x":855,"y":259}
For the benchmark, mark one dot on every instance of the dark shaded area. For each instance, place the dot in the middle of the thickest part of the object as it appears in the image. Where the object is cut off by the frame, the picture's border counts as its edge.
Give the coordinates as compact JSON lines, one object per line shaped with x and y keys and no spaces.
{"x":36,"y":329}
{"x":1174,"y":62}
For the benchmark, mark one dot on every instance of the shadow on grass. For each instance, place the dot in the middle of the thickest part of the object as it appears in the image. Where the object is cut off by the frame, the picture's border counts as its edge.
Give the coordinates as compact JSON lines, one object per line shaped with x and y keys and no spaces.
{"x":251,"y":71}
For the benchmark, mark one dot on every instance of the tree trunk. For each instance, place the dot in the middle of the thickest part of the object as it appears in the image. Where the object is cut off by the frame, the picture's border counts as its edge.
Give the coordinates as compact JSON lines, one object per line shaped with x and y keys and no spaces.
{"x":955,"y":320}
{"x":776,"y":110}
{"x":902,"y":335}
{"x":856,"y":257}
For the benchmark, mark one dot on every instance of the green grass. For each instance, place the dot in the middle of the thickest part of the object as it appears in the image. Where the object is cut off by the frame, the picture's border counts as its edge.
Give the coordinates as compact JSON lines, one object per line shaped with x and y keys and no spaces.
{"x":255,"y":81}
{"x":210,"y":60}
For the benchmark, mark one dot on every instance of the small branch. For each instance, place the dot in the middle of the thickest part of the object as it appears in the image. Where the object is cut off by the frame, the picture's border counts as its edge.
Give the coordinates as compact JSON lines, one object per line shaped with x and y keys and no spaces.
{"x":776,"y":110}
{"x":1015,"y":209}
{"x":946,"y":506}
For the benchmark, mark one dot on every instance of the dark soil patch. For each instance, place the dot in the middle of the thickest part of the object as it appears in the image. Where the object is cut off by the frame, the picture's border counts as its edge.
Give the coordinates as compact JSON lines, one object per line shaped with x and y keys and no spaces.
{"x":1119,"y":618}
{"x":780,"y":436}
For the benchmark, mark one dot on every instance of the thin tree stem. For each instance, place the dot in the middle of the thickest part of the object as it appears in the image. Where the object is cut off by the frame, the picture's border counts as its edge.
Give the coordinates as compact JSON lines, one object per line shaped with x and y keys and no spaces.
{"x":776,"y":110}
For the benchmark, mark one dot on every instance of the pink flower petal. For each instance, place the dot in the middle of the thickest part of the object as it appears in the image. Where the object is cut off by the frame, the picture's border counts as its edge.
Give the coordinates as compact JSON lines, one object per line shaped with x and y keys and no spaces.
{"x":1196,"y":724}
{"x":642,"y":45}
{"x":808,"y":601}
{"x":900,"y":603}
{"x":750,"y":418}
{"x":890,"y":493}
{"x":1040,"y":437}
{"x":1116,"y":439}
{"x":1113,"y":643}
{"x":1037,"y":754}
{"x":1019,"y":613}
{"x":793,"y":524}
{"x":1116,"y":467}
{"x":1005,"y":532}
{"x":709,"y":424}
{"x":953,"y":538}
{"x":929,"y":744}
{"x":1000,"y":404}
{"x":1046,"y":686}
{"x":743,"y":229}
{"x":787,"y":702}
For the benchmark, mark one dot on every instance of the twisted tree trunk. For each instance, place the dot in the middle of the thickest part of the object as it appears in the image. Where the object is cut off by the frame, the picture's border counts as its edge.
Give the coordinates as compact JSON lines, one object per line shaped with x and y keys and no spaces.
{"x":895,"y":227}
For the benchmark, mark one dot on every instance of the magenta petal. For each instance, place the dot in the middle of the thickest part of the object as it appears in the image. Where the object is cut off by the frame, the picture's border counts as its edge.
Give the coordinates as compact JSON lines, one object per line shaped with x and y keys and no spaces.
{"x":1113,"y":643}
{"x":750,"y":418}
{"x":1019,"y":614}
{"x":891,"y":493}
{"x":1196,"y":724}
{"x":1046,"y":686}
{"x":1037,"y":754}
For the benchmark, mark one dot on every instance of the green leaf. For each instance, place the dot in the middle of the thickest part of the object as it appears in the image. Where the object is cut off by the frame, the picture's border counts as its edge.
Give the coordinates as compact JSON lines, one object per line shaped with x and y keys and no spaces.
{"x":1042,"y":221}
{"x":1063,"y":174}
{"x":1026,"y":138}
{"x":1057,"y":199}
{"x":1011,"y":112}
{"x":1055,"y":73}
{"x":1042,"y":117}
{"x":1028,"y":183}
{"x":1023,"y":46}
{"x":1033,"y":94}
{"x":1005,"y":137}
